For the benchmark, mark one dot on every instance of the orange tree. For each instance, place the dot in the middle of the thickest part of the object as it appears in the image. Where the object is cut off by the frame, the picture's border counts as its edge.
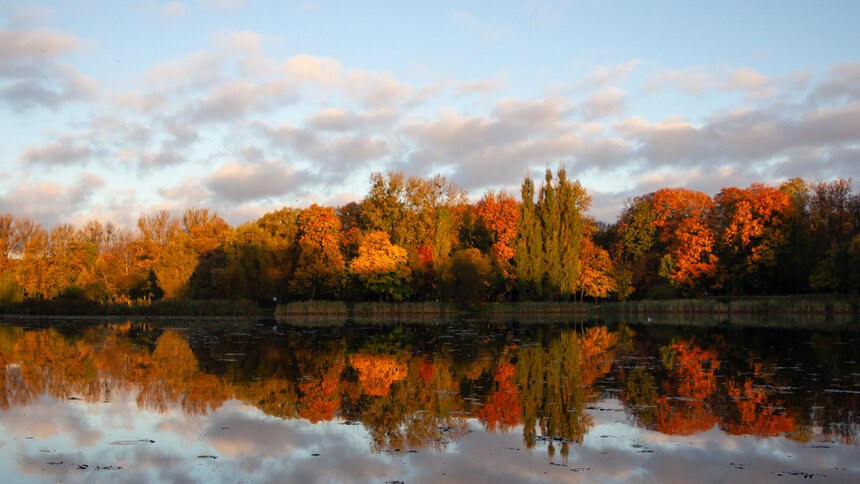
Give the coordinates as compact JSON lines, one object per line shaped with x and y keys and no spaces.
{"x":320,"y":266}
{"x":681,"y":220}
{"x":749,"y":233}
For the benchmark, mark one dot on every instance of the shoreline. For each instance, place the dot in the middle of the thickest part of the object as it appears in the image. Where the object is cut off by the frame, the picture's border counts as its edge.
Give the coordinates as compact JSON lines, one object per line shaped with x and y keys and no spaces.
{"x":787,"y":310}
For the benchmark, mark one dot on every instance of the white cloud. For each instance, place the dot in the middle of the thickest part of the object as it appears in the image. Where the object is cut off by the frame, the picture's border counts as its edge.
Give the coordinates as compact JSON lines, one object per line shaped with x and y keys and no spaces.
{"x":66,"y":151}
{"x":606,"y":76}
{"x":27,"y":15}
{"x":318,"y":70}
{"x":30,"y":74}
{"x":610,"y":102}
{"x":372,"y":89}
{"x":50,"y":202}
{"x":694,"y":81}
{"x":231,"y":101}
{"x":333,"y":154}
{"x":25,"y":45}
{"x":343,"y":120}
{"x":239,"y":182}
{"x":841,"y":84}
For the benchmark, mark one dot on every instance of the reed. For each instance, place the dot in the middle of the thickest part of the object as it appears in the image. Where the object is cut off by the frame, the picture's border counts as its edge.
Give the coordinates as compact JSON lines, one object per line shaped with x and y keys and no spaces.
{"x":87,"y":307}
{"x":365,"y":310}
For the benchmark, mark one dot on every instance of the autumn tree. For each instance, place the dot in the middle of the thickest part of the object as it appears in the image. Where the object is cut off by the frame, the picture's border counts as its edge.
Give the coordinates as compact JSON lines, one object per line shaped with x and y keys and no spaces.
{"x":243,"y":268}
{"x":174,"y":267}
{"x":156,"y":231}
{"x":500,"y":213}
{"x":320,"y":266}
{"x":467,"y":277}
{"x":382,"y":267}
{"x":206,"y":230}
{"x":749,"y":235}
{"x":683,"y":228}
{"x":282,"y":227}
{"x":596,"y":278}
{"x":834,"y":218}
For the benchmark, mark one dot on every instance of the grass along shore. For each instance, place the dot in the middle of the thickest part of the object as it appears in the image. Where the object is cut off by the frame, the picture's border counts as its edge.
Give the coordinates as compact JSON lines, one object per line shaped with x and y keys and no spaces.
{"x":845,"y":308}
{"x":717,"y":309}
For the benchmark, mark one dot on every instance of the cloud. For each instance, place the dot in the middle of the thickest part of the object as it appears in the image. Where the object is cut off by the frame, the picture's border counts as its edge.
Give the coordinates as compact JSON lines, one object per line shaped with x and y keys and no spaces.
{"x":818,"y":163}
{"x":610,"y":102}
{"x":698,"y":80}
{"x":375,"y":89}
{"x":27,"y":16}
{"x":841,"y":84}
{"x":174,"y":11}
{"x":231,"y":101}
{"x":159,"y":159}
{"x":54,"y":87}
{"x":239,"y":182}
{"x":343,"y":120}
{"x":478,"y":86}
{"x":372,"y":89}
{"x":200,"y":69}
{"x":30,"y":75}
{"x":332,"y":154}
{"x":67,"y":151}
{"x":606,"y":76}
{"x":26,"y":45}
{"x":318,"y":70}
{"x":693,"y":81}
{"x":190,"y":193}
{"x":741,"y":136}
{"x":486,"y":151}
{"x":50,"y":202}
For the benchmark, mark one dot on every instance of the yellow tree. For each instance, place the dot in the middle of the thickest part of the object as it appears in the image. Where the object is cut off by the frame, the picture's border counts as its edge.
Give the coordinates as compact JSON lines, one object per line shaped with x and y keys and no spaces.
{"x":382,"y":267}
{"x":206,"y":229}
{"x":174,"y":267}
{"x":156,"y":231}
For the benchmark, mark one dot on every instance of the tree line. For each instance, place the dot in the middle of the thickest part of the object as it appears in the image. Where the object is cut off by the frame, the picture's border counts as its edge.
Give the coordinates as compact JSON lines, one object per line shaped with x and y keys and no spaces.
{"x":420,"y":239}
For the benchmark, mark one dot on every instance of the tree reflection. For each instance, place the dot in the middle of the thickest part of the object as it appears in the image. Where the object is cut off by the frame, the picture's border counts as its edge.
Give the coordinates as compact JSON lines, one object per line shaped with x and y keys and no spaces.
{"x":412,"y":393}
{"x":683,"y":408}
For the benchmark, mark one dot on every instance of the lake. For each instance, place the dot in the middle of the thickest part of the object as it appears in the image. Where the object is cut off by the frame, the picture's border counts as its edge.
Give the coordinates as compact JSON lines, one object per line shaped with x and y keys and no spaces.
{"x":261,"y":401}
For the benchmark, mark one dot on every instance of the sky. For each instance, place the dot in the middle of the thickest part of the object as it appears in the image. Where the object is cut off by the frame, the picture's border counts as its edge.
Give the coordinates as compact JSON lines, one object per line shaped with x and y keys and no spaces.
{"x":111,"y":110}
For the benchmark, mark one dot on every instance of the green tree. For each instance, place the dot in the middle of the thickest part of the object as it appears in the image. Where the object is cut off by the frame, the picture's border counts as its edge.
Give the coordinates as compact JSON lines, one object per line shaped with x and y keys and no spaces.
{"x":467,"y":278}
{"x":528,"y":256}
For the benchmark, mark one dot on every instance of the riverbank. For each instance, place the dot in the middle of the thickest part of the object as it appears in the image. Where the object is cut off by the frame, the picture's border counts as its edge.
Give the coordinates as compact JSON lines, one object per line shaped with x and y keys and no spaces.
{"x":819,"y":305}
{"x":779,"y":310}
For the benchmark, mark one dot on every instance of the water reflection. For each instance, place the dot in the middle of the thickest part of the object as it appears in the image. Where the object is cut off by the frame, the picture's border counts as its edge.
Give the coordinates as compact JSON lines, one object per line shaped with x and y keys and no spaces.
{"x":258,"y":392}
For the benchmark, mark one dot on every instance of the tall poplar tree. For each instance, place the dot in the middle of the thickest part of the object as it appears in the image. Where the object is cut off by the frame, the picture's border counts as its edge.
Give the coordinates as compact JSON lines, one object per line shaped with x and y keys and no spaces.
{"x":529,"y":254}
{"x":572,"y":200}
{"x":547,"y":255}
{"x":550,"y":224}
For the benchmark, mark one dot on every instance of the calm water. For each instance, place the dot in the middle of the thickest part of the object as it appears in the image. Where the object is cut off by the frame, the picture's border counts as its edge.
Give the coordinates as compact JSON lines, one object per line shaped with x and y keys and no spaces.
{"x":84,"y":401}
